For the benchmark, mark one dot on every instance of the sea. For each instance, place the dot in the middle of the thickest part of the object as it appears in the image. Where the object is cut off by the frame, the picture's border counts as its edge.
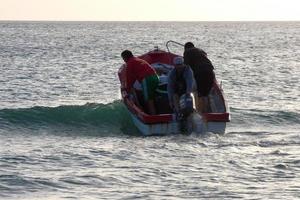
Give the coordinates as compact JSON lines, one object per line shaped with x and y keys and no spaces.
{"x":65,"y":133}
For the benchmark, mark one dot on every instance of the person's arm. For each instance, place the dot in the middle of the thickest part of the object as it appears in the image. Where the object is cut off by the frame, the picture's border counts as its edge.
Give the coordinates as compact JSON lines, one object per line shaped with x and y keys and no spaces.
{"x":186,"y":57}
{"x":129,"y":78}
{"x":189,"y":79}
{"x":170,"y":87}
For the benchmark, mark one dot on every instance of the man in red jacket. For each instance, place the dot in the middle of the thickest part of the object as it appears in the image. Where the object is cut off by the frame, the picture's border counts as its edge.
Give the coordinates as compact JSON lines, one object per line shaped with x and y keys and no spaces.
{"x":140,"y":70}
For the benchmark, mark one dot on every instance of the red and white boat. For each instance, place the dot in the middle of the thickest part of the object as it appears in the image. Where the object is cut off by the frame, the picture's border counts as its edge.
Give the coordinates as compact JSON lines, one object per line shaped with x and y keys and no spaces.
{"x":165,"y":122}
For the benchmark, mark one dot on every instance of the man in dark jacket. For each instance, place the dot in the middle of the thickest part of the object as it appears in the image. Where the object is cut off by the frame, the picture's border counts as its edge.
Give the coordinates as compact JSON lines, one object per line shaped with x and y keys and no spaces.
{"x":203,"y":73}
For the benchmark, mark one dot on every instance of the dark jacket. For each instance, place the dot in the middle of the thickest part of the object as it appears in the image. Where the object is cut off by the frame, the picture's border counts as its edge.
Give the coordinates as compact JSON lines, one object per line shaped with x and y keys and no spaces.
{"x":202,"y":68}
{"x":197,"y":60}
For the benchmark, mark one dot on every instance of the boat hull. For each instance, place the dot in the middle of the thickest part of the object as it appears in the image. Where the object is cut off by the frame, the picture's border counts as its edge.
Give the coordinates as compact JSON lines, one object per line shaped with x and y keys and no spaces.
{"x":165,"y":122}
{"x":197,"y":126}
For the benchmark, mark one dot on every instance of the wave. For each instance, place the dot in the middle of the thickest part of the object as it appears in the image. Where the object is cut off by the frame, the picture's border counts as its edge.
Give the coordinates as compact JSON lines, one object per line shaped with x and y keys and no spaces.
{"x":105,"y":118}
{"x":114,"y":119}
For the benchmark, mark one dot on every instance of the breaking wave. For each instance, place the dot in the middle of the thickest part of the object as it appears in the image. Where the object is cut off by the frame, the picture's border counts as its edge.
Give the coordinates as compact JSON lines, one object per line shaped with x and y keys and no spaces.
{"x":110,"y":118}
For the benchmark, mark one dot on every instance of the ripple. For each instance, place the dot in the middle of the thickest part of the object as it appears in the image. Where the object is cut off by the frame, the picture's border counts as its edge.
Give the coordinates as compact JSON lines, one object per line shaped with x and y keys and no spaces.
{"x":281,"y":166}
{"x":55,"y":144}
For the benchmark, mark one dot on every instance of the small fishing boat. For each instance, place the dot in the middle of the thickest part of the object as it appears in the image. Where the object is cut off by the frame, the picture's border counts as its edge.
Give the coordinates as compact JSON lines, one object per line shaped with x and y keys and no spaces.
{"x":165,"y":122}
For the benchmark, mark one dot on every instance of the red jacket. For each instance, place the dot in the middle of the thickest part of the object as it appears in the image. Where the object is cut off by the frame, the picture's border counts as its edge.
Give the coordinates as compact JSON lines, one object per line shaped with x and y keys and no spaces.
{"x":137,"y":69}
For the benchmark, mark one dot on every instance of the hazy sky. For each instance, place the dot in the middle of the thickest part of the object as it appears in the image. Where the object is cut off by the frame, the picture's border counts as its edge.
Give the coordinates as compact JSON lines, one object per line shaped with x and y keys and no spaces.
{"x":150,"y":10}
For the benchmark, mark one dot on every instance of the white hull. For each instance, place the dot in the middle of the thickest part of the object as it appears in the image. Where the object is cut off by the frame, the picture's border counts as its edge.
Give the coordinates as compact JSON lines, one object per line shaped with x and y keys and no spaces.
{"x":195,"y":124}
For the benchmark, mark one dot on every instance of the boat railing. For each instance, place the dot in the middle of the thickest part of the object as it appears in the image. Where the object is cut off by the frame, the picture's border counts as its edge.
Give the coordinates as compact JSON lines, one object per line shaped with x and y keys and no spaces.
{"x":170,"y":53}
{"x":174,"y":42}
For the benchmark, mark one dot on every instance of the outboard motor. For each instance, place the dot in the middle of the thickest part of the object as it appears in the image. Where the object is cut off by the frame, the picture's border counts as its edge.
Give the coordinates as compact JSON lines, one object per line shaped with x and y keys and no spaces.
{"x":186,"y":108}
{"x":190,"y":121}
{"x":186,"y":105}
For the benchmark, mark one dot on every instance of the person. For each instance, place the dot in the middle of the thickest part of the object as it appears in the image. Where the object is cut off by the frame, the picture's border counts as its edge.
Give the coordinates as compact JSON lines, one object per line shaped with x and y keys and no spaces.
{"x":203,"y":73}
{"x":141,"y":71}
{"x":180,"y":81}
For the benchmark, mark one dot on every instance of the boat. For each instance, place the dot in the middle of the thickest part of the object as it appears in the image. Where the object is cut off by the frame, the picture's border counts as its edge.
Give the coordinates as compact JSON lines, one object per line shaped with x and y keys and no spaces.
{"x":165,"y":121}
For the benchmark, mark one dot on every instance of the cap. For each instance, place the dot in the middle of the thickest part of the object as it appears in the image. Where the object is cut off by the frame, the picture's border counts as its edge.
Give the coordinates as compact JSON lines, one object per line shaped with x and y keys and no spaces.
{"x":178,"y":61}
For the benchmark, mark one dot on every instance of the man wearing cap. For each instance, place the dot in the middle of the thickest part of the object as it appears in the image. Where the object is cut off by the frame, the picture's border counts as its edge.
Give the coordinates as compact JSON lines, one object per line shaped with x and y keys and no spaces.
{"x":180,"y":81}
{"x":140,"y":70}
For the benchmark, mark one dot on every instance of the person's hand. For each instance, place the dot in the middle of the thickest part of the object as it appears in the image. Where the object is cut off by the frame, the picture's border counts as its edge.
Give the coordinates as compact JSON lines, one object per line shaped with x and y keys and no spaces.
{"x":129,"y":96}
{"x":171,"y":105}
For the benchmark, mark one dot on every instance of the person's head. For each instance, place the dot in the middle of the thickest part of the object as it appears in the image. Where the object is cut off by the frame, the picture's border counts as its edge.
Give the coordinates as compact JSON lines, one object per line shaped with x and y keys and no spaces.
{"x":178,"y":62}
{"x":188,"y":45}
{"x":126,"y":55}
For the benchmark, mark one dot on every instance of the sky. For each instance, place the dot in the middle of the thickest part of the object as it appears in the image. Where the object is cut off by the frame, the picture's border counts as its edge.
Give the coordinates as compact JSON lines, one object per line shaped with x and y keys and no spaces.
{"x":150,"y":10}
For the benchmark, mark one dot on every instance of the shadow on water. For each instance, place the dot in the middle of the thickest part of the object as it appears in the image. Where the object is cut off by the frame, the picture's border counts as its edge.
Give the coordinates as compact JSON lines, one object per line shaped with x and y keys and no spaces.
{"x":91,"y":119}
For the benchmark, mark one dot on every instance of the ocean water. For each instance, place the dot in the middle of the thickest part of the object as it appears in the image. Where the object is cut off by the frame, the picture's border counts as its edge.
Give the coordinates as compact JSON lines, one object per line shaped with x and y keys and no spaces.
{"x":65,"y":134}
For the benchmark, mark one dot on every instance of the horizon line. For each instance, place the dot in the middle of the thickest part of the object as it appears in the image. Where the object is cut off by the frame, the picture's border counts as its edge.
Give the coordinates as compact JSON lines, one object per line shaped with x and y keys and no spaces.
{"x":26,"y":20}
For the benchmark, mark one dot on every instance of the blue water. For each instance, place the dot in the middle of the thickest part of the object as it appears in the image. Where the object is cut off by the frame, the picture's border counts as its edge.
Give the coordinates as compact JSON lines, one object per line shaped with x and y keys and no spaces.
{"x":65,"y":134}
